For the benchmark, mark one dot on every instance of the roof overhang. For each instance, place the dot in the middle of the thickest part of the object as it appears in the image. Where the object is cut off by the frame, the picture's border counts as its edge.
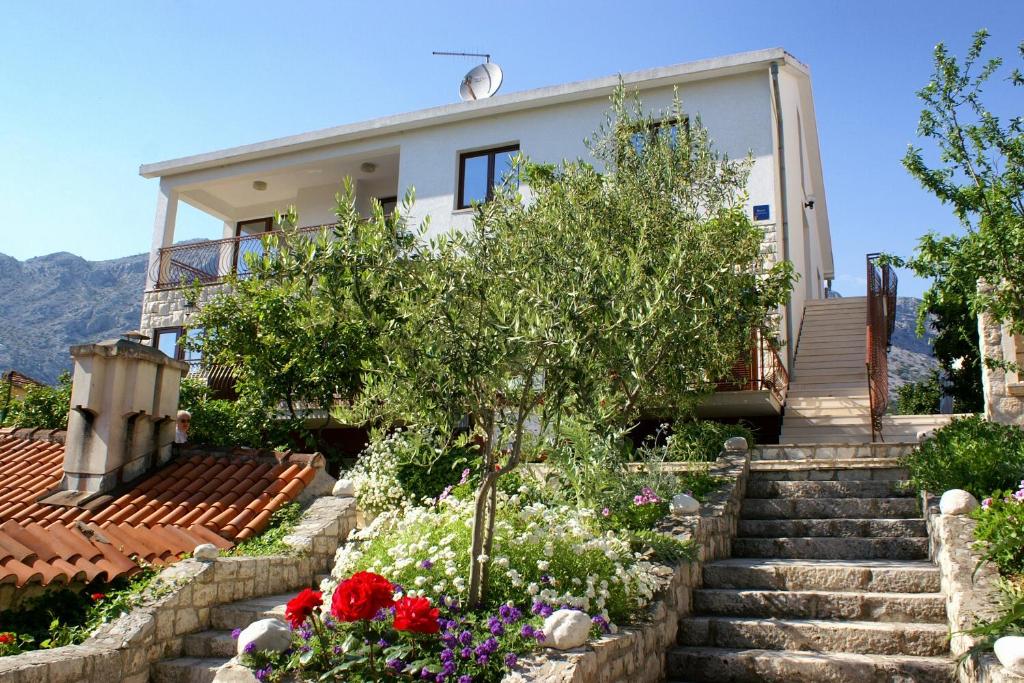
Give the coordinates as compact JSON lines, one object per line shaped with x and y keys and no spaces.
{"x":650,"y":78}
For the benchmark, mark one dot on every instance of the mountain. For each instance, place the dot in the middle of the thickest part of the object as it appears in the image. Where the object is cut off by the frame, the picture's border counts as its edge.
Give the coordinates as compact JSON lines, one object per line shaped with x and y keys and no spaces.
{"x":910,"y":359}
{"x":52,"y":302}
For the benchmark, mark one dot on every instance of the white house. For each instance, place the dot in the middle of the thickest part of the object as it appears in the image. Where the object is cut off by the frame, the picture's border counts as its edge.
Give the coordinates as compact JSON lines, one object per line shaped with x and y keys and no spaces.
{"x":755,"y":102}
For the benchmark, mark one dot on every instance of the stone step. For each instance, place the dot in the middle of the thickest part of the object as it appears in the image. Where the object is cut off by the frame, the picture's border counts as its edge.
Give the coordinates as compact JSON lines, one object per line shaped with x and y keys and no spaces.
{"x":817,"y":413}
{"x":187,"y":670}
{"x":817,"y":635}
{"x":874,"y":576}
{"x":845,"y":605}
{"x":786,"y":666}
{"x":838,"y":418}
{"x":830,"y":508}
{"x":841,"y":451}
{"x":242,"y":613}
{"x":858,"y":388}
{"x":835,"y":528}
{"x":863,"y":469}
{"x":827,"y":489}
{"x":210,"y":644}
{"x":832,"y":548}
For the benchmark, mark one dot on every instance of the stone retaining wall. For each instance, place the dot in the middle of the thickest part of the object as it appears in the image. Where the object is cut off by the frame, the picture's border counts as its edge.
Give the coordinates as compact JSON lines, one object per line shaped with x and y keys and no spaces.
{"x":830,"y":451}
{"x":970,"y":590}
{"x":638,"y":654}
{"x":179,"y":603}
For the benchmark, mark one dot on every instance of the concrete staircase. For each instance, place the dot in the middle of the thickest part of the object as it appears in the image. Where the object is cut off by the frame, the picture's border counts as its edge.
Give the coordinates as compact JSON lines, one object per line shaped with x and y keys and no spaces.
{"x":829,"y":581}
{"x":206,"y":652}
{"x":828,"y":393}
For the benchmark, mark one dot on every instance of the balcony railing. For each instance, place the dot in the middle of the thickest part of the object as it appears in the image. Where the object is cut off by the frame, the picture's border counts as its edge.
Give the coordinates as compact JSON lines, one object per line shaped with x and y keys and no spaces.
{"x":881,"y":322}
{"x":760,"y":369}
{"x":211,"y":261}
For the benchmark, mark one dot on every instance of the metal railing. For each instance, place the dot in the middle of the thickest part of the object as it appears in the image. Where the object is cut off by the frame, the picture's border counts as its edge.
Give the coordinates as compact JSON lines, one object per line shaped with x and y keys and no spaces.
{"x":219,"y":378}
{"x":881,"y":322}
{"x":760,"y":369}
{"x":211,"y":261}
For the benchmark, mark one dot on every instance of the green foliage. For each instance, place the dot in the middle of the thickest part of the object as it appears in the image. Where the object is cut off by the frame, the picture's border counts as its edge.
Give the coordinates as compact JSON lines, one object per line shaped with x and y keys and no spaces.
{"x":956,"y":344}
{"x":919,"y":398}
{"x":1000,"y":531}
{"x":980,"y":174}
{"x":702,"y":440}
{"x":1009,"y":623}
{"x":969,"y":453}
{"x":42,"y":407}
{"x":271,"y":541}
{"x":218,"y":422}
{"x":663,"y":548}
{"x":68,"y":617}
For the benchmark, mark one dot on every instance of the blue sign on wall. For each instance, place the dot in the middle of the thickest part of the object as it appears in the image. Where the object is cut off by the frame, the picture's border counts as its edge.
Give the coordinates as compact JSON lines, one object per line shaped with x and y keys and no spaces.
{"x":761,"y":212}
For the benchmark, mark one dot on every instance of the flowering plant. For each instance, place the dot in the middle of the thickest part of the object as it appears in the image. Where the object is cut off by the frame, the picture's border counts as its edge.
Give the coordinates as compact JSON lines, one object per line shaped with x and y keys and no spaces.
{"x":368,"y":635}
{"x":12,"y":643}
{"x":1000,"y":529}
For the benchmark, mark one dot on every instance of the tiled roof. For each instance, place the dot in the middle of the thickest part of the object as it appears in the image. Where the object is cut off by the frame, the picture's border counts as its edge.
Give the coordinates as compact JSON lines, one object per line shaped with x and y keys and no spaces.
{"x":199,"y":497}
{"x":20,"y":379}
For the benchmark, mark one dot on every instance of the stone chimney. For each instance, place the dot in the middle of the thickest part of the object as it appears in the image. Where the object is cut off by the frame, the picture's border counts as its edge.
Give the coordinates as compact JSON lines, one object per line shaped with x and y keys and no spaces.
{"x":124,"y":401}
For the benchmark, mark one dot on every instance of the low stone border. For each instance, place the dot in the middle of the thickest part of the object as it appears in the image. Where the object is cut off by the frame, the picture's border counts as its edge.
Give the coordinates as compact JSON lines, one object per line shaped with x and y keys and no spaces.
{"x":180,"y":600}
{"x":830,"y":451}
{"x":639,"y":653}
{"x":970,"y":590}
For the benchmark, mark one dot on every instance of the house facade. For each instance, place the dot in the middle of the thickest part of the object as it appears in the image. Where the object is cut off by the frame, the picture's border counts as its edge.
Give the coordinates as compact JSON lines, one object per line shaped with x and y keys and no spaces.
{"x":758,"y":103}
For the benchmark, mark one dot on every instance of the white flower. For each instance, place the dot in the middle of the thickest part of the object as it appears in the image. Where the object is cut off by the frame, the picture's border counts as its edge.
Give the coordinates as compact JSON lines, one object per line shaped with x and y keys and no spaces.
{"x":532,"y":589}
{"x":420,"y":580}
{"x":543,"y":565}
{"x":482,"y":558}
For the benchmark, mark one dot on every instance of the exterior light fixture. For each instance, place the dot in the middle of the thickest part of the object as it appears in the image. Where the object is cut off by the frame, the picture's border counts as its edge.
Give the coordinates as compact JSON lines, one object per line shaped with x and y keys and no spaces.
{"x":259,"y":185}
{"x":368,"y":167}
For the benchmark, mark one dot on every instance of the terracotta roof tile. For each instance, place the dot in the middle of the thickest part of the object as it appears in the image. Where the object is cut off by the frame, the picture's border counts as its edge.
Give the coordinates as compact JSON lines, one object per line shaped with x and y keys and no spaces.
{"x":198,"y":497}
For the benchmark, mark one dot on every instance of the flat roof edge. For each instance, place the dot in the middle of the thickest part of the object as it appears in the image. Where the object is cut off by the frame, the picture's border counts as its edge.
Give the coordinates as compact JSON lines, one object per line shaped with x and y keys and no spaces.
{"x":726,"y":65}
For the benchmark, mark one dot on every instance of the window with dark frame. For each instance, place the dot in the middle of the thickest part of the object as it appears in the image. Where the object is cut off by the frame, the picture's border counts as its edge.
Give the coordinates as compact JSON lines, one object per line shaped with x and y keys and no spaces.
{"x":480,"y":171}
{"x":169,"y":340}
{"x":249,"y":228}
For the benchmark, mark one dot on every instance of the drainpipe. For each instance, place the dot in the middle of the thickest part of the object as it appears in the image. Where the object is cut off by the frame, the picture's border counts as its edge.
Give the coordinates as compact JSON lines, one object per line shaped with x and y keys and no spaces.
{"x":783,"y":213}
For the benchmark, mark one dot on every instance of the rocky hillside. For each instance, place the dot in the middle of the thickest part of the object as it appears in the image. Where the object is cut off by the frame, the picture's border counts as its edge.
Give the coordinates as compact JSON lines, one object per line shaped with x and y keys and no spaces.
{"x":910,"y":359}
{"x":52,"y":302}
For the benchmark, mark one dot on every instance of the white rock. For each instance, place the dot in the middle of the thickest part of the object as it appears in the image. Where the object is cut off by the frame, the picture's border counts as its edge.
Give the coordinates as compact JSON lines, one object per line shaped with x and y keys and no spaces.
{"x":266,"y":634}
{"x":207,"y":552}
{"x":735,"y":444}
{"x":344,"y":488}
{"x":1010,"y":653}
{"x":566,"y":629}
{"x":684,"y":504}
{"x":957,"y":502}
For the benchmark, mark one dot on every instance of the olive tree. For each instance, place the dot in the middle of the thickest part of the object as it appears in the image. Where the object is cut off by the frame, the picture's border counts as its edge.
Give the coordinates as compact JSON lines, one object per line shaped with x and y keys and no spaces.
{"x":630,"y":282}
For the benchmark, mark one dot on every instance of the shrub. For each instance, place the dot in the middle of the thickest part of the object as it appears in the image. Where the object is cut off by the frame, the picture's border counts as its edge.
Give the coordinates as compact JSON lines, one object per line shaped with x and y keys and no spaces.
{"x":702,"y":440}
{"x":217,"y":422}
{"x":969,"y":453}
{"x":1000,"y":530}
{"x":919,"y":398}
{"x":42,"y":407}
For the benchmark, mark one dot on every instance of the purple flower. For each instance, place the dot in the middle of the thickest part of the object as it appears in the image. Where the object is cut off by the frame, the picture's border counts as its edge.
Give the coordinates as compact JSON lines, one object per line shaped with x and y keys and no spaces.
{"x":465,"y":678}
{"x":1019,"y":495}
{"x":426,"y":674}
{"x":263,"y":674}
{"x":426,"y":564}
{"x":526,"y":631}
{"x":336,"y":649}
{"x":305,"y":648}
{"x":495,"y":626}
{"x":511,"y":660}
{"x":605,"y":512}
{"x":235,"y":633}
{"x":465,"y":637}
{"x":447,"y":491}
{"x":396,"y":664}
{"x":509,"y":614}
{"x":539,"y":635}
{"x":482,"y":660}
{"x":465,"y":478}
{"x":466,"y":653}
{"x":249,"y":647}
{"x":601,"y":623}
{"x":447,"y":655}
{"x":383,"y":643}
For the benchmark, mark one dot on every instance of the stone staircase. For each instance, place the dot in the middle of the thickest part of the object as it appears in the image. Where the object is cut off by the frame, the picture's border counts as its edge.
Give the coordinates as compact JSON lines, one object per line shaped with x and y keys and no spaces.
{"x":206,"y":652}
{"x":829,"y":581}
{"x":828,"y":394}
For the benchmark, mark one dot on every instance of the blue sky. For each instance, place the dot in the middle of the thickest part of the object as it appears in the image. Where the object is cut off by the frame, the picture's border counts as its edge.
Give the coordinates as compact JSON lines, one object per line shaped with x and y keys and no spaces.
{"x":88,"y":91}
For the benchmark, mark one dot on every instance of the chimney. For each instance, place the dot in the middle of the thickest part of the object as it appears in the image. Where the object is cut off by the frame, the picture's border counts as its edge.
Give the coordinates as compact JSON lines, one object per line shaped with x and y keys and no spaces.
{"x":124,"y":402}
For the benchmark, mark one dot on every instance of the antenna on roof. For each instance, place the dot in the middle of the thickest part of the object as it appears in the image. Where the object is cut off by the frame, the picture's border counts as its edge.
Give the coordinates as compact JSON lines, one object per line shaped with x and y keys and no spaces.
{"x":482,"y":81}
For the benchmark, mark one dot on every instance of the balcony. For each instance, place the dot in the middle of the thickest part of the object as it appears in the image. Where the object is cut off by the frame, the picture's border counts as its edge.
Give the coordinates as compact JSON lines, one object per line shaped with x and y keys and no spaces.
{"x":211,"y":261}
{"x":756,"y":386}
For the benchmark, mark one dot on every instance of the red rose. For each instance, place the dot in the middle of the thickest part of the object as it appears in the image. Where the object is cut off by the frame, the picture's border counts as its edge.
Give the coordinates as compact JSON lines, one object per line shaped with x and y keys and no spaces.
{"x":6,"y":638}
{"x":416,"y":615}
{"x":96,"y":597}
{"x":301,"y":606}
{"x":361,"y":596}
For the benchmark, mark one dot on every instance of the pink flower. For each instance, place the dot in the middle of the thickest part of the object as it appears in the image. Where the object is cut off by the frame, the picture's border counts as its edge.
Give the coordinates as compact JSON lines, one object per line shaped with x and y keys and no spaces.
{"x":465,"y":476}
{"x":605,"y":512}
{"x":1019,"y":495}
{"x":986,"y":504}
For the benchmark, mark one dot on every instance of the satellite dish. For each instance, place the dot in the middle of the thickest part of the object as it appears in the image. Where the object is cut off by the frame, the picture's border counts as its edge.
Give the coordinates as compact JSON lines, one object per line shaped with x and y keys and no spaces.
{"x":481,"y":82}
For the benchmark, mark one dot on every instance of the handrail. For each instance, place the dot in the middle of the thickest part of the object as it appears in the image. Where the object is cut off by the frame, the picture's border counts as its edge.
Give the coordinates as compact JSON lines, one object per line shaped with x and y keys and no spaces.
{"x":880,"y":325}
{"x":210,"y":261}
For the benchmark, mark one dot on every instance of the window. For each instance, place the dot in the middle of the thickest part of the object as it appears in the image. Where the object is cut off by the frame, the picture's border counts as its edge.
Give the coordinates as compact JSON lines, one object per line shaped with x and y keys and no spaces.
{"x":644,"y":133}
{"x":479,"y":172}
{"x":169,"y":340}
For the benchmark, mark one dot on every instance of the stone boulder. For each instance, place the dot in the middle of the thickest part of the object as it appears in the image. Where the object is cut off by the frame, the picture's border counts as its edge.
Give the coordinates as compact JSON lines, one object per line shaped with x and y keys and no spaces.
{"x":344,"y":488}
{"x":736,"y":444}
{"x":1010,"y":653}
{"x":266,"y":634}
{"x":957,"y":502}
{"x":566,"y":629}
{"x":206,"y":552}
{"x":684,"y":504}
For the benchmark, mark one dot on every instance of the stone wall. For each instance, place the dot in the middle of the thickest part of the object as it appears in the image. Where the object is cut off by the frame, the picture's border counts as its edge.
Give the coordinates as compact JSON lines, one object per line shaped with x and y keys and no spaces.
{"x":179,"y":603}
{"x":638,"y":653}
{"x":167,"y":307}
{"x":831,"y":451}
{"x":1004,"y":391}
{"x":970,"y":590}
